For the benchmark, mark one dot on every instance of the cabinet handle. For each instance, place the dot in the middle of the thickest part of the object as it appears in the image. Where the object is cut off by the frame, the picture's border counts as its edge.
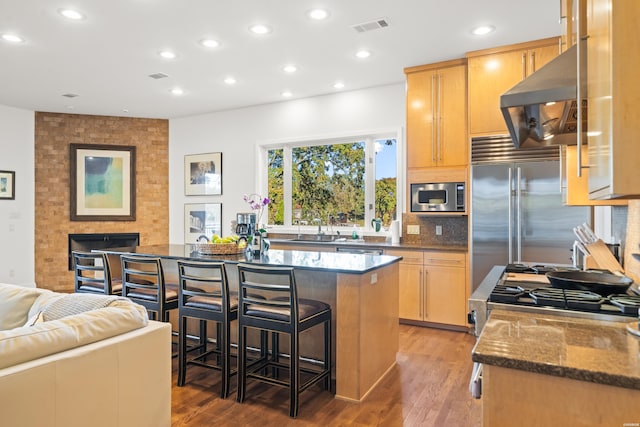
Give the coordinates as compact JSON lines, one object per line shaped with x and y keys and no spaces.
{"x":420,"y":302}
{"x":424,"y":296}
{"x":524,"y":65}
{"x":439,"y":117}
{"x":443,"y":261}
{"x":433,"y":119}
{"x":533,"y":61}
{"x":579,"y":97}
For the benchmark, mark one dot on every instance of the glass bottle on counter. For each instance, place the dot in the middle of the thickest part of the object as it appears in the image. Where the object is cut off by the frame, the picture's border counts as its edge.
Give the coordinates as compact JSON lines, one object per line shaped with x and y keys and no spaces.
{"x":256,"y":243}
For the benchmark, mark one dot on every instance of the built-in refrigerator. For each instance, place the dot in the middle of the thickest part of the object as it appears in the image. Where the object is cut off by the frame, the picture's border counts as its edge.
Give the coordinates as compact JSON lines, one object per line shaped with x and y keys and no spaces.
{"x":517,"y":213}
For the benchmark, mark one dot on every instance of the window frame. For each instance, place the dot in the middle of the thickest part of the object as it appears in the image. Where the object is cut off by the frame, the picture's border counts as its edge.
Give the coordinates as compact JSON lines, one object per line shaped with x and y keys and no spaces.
{"x":370,"y":136}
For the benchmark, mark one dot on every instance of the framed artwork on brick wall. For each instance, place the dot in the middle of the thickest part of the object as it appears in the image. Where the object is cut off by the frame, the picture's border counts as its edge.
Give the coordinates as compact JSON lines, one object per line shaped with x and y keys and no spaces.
{"x":203,"y":174}
{"x":7,"y":185}
{"x":103,"y":182}
{"x":202,"y":219}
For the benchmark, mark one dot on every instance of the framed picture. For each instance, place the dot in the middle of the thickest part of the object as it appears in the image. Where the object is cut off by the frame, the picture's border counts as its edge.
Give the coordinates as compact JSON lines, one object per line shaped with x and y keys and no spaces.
{"x":103,"y":182}
{"x":7,"y":185}
{"x":203,"y":174}
{"x":202,"y":219}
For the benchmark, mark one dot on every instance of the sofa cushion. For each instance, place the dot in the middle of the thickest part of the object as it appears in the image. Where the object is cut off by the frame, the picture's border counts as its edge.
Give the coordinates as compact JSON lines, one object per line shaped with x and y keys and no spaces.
{"x":26,"y":343}
{"x":15,"y":303}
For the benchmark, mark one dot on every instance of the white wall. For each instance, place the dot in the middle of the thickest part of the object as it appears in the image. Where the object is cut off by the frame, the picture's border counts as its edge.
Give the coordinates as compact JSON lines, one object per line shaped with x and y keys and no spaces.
{"x":236,"y":132}
{"x":17,"y":218}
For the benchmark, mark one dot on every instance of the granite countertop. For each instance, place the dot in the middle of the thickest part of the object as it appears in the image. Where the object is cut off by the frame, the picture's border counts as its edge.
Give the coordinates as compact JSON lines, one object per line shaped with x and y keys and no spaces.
{"x":372,"y":244}
{"x":596,"y":351}
{"x":337,"y":262}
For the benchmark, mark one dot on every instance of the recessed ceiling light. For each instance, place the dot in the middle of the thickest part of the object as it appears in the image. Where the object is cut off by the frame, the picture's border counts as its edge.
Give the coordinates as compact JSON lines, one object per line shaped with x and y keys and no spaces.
{"x":318,"y":14}
{"x":167,"y":54}
{"x":260,"y":29}
{"x":286,"y":94}
{"x":177,"y":91}
{"x":363,"y":54}
{"x":210,"y":43}
{"x":71,"y":14}
{"x":338,"y":85}
{"x":483,"y":30}
{"x":230,"y":81}
{"x":290,"y":69}
{"x":12,"y":38}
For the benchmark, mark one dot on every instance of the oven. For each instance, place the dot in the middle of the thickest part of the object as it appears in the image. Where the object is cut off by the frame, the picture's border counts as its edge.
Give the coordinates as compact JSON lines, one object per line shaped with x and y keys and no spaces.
{"x":525,"y":288}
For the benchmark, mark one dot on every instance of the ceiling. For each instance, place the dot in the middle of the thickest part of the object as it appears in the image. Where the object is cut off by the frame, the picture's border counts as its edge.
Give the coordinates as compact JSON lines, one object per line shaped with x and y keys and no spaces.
{"x":106,"y":58}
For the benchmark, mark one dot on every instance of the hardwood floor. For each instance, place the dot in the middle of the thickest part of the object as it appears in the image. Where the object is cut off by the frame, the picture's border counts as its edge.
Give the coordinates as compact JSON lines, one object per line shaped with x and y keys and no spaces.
{"x":427,"y":387}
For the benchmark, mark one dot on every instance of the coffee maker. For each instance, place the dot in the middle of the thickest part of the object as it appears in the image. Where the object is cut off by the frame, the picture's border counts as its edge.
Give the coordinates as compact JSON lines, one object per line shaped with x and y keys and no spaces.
{"x":246,"y":224}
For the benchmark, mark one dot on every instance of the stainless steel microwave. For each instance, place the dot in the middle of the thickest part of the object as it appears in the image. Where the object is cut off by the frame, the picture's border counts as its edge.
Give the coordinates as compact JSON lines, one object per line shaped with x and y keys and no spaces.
{"x":438,"y":197}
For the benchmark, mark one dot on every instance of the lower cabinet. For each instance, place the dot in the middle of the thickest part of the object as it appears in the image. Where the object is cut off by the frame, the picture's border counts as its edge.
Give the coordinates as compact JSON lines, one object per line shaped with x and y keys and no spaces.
{"x":433,"y":286}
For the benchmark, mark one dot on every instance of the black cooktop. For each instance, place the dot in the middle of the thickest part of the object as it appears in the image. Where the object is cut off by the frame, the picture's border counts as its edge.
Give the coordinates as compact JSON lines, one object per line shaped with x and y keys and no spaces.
{"x":534,"y":293}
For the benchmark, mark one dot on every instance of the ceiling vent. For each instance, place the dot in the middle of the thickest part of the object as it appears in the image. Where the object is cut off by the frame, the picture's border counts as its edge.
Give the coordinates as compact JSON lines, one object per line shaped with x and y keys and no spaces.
{"x":70,"y":95}
{"x":371,"y":25}
{"x":158,"y":76}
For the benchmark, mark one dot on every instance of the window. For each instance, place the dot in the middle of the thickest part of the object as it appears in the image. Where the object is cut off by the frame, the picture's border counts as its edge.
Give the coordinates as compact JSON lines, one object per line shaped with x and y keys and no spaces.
{"x":336,"y":183}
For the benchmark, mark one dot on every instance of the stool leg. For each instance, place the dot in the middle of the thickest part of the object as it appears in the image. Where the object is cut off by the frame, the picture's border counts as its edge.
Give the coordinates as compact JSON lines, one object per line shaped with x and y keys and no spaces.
{"x":275,"y":353}
{"x":225,"y":360}
{"x":182,"y":350}
{"x":242,"y":363}
{"x":294,"y":375}
{"x":327,"y":354}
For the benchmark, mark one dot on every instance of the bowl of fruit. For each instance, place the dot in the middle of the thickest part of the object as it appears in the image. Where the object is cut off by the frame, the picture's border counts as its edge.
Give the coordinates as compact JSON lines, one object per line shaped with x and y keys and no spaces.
{"x":222,"y":245}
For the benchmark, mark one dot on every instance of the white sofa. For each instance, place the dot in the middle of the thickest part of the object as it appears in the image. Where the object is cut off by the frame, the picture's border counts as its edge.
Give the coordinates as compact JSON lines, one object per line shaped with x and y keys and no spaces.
{"x":78,"y":360}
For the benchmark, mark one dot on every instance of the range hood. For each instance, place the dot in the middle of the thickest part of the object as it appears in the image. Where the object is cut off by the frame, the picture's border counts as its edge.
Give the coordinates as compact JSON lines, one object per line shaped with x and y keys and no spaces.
{"x":542,"y":110}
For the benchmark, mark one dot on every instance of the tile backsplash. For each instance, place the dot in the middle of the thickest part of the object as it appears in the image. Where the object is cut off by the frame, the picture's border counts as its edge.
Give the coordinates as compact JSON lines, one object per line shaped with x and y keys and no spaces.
{"x":455,"y":230}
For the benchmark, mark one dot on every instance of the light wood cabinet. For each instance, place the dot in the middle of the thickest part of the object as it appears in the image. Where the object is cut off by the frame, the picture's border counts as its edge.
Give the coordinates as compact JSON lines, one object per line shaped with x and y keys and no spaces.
{"x":432,"y":287}
{"x":613,"y":91}
{"x":437,"y":115}
{"x":494,"y":71}
{"x":576,"y":190}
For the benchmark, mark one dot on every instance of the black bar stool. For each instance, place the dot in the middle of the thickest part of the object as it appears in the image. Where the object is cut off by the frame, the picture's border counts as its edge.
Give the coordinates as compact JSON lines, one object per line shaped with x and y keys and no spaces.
{"x":204,"y":295}
{"x":92,"y":274}
{"x":280,"y":312}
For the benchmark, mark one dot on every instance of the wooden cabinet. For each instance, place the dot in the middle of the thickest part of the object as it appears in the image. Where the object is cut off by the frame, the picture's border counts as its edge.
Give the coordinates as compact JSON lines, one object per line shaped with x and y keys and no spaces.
{"x":437,"y":115}
{"x":433,"y":287}
{"x":613,"y":91}
{"x":494,"y":71}
{"x":576,"y":190}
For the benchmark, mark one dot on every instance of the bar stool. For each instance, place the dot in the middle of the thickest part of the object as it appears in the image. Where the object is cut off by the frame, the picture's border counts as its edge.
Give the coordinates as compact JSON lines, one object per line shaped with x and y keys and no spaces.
{"x":204,"y":295}
{"x":143,"y":282}
{"x":92,"y":274}
{"x":281,"y":312}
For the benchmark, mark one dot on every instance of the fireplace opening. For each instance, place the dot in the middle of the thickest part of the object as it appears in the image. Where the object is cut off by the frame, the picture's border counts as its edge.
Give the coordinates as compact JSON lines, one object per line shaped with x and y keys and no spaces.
{"x":89,"y":242}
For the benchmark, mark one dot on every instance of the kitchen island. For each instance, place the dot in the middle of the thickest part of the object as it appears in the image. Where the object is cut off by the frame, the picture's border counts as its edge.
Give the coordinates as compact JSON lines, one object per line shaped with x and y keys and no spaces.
{"x":542,"y":369}
{"x":362,"y":290}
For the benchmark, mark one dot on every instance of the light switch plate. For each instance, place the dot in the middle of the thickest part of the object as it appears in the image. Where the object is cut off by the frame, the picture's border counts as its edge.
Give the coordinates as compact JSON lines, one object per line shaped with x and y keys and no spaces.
{"x":438,"y":230}
{"x":413,"y":229}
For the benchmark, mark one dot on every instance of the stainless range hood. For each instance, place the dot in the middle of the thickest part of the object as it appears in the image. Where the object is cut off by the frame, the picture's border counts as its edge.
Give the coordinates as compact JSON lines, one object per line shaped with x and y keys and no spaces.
{"x":541,"y":110}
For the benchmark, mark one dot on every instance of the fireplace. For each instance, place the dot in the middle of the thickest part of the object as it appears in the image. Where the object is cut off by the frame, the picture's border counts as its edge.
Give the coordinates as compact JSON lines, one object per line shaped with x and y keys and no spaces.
{"x":88,"y":242}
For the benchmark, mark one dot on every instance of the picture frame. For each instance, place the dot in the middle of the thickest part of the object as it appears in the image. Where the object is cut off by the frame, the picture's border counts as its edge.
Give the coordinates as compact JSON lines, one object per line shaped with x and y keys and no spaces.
{"x":202,"y":219}
{"x":7,"y":185}
{"x":102,"y":182}
{"x":203,"y":174}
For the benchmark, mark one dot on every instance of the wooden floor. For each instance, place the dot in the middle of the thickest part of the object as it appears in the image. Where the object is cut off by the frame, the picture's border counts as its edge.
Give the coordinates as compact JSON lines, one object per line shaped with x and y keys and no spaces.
{"x":427,"y":387}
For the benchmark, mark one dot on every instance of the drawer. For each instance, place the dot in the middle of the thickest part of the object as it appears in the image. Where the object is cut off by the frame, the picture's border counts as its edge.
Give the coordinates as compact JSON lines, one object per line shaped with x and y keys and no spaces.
{"x":408,"y":257}
{"x":451,"y":259}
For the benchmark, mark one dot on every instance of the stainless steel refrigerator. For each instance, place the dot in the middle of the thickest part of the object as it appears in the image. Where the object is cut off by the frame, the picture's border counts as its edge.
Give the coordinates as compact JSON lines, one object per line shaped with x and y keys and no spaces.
{"x":517,"y":213}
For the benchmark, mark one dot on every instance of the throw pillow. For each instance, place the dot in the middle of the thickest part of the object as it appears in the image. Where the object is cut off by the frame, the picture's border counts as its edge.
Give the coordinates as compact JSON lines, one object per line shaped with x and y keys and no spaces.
{"x":35,"y":319}
{"x":72,"y":304}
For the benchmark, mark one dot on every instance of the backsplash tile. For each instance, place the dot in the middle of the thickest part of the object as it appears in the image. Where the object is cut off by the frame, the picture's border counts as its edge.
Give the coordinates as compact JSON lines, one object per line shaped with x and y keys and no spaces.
{"x":455,"y":231}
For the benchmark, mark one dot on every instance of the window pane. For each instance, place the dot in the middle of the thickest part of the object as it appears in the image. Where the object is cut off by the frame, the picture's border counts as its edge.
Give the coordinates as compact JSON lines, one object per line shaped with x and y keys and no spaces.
{"x":386,"y":177}
{"x":276,"y":187}
{"x":328,"y":183}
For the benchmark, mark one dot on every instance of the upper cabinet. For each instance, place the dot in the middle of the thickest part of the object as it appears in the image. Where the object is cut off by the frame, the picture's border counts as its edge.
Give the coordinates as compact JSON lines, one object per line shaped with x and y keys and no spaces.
{"x":494,"y":71}
{"x":613,"y":43}
{"x":437,"y":115}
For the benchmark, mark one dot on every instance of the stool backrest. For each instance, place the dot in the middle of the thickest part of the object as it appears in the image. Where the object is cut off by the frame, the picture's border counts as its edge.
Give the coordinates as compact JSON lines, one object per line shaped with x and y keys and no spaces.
{"x":268,"y":289}
{"x":142,"y":275}
{"x":91,"y":272}
{"x":203,"y":279}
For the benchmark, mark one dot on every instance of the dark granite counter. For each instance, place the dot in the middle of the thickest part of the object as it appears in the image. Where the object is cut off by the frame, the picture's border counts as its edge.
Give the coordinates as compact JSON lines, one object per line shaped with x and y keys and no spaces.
{"x":350,"y":243}
{"x":336,"y":262}
{"x":587,"y":350}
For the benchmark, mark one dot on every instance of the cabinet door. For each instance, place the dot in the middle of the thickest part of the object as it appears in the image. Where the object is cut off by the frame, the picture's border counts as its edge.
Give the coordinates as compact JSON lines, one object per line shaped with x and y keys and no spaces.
{"x":420,"y":119}
{"x":489,"y":77}
{"x":445,"y":295}
{"x":410,"y":291}
{"x":451,"y":128}
{"x":540,"y":56}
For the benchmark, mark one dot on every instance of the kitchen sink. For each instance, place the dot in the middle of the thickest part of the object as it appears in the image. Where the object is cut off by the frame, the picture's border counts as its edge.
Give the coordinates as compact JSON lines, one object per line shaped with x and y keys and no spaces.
{"x":314,"y":238}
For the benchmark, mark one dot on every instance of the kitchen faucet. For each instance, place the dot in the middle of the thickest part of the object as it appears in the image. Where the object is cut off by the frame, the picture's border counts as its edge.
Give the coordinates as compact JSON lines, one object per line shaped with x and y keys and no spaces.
{"x":319,"y":221}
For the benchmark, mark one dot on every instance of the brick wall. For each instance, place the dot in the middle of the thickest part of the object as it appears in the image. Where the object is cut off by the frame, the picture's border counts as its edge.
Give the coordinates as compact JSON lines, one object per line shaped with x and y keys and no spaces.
{"x":54,"y":133}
